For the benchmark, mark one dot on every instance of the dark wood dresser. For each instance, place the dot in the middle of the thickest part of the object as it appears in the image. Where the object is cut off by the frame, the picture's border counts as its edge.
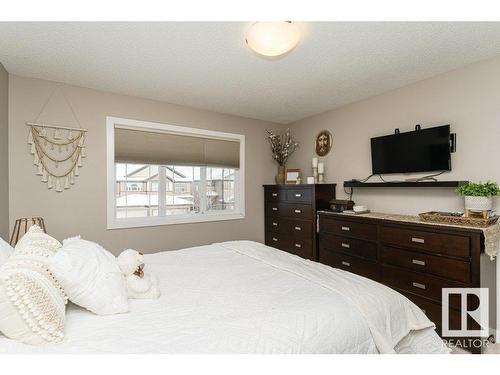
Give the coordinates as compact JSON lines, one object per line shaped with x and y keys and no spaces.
{"x":290,"y":216}
{"x":417,"y":259}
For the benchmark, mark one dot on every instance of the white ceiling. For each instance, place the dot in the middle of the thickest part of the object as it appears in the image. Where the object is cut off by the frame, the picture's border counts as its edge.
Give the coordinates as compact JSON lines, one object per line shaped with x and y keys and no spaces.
{"x":207,"y":64}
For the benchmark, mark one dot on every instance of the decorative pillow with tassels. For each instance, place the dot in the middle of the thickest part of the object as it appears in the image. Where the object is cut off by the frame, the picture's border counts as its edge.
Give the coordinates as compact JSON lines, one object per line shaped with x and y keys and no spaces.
{"x":32,"y":303}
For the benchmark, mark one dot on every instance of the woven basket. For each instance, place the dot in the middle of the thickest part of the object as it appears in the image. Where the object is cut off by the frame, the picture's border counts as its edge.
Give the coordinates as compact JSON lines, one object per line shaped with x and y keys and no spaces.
{"x":446,"y":218}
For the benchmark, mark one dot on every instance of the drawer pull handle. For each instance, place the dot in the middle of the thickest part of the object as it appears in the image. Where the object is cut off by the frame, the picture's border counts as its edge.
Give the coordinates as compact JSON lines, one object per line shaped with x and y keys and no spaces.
{"x":275,"y":224}
{"x":418,"y":285}
{"x":275,"y":239}
{"x":417,"y":240}
{"x":346,"y":245}
{"x":346,"y":263}
{"x":419,"y":262}
{"x":347,"y":229}
{"x":298,"y":195}
{"x":275,"y":208}
{"x":298,"y":211}
{"x":298,"y":228}
{"x":275,"y":194}
{"x":298,"y":245}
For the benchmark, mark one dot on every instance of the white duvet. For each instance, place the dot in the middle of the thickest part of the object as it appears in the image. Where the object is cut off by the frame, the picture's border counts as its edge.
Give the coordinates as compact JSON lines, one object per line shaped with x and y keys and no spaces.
{"x":244,"y":297}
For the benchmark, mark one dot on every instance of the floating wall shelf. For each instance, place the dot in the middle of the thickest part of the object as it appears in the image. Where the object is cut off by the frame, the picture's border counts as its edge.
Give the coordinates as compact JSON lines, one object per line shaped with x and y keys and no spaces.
{"x":408,"y":184}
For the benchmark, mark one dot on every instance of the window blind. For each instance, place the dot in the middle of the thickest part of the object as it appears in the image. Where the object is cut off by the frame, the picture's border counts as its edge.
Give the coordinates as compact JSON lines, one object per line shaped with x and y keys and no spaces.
{"x":161,"y":148}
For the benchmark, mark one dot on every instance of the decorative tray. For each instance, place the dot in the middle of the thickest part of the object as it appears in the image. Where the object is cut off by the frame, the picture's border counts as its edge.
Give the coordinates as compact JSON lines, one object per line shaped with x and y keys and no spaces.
{"x":454,"y":219}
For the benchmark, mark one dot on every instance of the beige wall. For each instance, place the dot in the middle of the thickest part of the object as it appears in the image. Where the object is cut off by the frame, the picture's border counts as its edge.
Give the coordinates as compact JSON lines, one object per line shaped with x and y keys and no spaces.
{"x":4,"y":154}
{"x":468,"y":99}
{"x":82,"y":209}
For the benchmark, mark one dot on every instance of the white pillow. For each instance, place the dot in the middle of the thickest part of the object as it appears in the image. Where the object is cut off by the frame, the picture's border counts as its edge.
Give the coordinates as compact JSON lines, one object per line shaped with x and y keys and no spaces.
{"x":36,"y":245}
{"x":5,"y":251}
{"x":32,"y":303}
{"x":90,"y":276}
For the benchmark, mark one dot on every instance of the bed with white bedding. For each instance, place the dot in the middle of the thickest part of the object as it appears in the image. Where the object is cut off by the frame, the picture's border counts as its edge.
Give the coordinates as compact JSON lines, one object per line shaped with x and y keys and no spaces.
{"x":245,"y":297}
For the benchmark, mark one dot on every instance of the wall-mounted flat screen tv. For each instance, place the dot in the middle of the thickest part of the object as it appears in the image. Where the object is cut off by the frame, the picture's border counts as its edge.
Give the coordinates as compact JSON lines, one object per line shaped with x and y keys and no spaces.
{"x":424,"y":150}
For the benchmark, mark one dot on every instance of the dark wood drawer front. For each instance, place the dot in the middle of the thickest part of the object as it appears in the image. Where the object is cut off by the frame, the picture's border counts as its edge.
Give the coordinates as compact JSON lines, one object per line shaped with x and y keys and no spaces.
{"x":274,"y":195}
{"x":299,"y":228}
{"x":449,"y":268}
{"x":365,"y":249}
{"x":274,"y":209}
{"x":273,"y":224}
{"x":298,"y":211}
{"x":299,"y":195}
{"x":276,"y":240}
{"x":352,"y":264}
{"x":349,"y":228}
{"x":421,"y":284}
{"x":301,"y":247}
{"x":440,"y":243}
{"x":292,"y":228}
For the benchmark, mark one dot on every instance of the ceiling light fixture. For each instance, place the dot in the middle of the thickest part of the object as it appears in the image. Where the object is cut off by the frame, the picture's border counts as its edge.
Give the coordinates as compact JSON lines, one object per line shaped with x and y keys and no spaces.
{"x":273,"y":38}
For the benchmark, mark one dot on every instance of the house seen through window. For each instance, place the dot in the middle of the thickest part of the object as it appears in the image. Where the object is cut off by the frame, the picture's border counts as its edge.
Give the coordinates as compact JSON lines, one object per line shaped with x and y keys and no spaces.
{"x":138,"y":189}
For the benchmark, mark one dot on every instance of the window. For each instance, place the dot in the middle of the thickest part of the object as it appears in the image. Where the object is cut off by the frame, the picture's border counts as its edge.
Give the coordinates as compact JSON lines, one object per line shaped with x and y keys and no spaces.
{"x":134,"y":200}
{"x":163,"y":174}
{"x":220,"y":185}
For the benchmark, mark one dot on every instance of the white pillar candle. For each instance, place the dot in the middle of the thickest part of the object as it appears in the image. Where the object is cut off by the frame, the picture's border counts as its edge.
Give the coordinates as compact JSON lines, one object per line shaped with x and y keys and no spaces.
{"x":315,"y":162}
{"x":321,"y":168}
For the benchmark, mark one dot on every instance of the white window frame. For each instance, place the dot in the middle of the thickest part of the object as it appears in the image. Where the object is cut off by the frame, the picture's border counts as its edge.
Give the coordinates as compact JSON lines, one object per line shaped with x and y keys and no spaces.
{"x":119,"y":223}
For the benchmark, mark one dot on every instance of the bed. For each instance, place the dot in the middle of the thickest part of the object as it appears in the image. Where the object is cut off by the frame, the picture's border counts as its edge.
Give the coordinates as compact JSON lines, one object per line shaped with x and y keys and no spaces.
{"x":245,"y":297}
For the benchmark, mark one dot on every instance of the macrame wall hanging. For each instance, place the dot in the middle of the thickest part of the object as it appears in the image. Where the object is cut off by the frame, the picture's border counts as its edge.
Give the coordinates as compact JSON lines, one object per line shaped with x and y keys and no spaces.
{"x":57,"y":151}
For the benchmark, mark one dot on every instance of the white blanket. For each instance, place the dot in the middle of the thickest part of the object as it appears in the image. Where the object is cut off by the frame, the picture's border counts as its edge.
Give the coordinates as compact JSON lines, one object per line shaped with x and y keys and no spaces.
{"x":389,"y":315}
{"x":244,"y":297}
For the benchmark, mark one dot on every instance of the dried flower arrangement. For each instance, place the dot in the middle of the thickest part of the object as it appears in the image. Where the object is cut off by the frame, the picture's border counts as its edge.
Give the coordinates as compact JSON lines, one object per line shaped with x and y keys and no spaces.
{"x":282,"y":146}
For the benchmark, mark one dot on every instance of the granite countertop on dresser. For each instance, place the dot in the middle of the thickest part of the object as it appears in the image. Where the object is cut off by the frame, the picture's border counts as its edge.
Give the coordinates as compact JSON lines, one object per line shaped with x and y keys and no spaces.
{"x":491,"y":233}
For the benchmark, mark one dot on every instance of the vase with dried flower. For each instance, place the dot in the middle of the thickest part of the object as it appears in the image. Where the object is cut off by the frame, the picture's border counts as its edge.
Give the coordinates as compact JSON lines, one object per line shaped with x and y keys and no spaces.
{"x":282,"y":146}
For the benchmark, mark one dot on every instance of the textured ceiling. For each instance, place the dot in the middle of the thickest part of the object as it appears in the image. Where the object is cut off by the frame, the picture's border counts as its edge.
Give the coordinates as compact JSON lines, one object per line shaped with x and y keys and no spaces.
{"x":207,"y":64}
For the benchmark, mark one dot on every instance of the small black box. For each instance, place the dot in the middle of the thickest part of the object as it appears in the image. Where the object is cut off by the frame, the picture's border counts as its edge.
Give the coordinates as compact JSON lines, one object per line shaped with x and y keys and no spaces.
{"x":341,"y":205}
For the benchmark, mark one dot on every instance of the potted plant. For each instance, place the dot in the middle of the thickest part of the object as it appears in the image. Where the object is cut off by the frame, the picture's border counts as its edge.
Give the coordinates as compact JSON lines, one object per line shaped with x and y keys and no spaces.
{"x":282,"y":146}
{"x":479,"y":196}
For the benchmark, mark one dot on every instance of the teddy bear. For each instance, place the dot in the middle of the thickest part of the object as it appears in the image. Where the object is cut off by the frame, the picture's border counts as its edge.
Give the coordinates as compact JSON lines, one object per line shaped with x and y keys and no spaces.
{"x":139,"y":284}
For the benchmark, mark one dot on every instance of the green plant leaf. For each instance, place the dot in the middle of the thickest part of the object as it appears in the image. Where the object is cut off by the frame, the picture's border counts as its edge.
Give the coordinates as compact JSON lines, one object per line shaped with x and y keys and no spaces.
{"x":478,"y":189}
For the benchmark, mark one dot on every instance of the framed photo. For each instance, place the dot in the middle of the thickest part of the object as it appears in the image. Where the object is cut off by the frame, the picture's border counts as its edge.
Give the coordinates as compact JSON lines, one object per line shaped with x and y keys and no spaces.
{"x":323,"y":143}
{"x":292,"y":175}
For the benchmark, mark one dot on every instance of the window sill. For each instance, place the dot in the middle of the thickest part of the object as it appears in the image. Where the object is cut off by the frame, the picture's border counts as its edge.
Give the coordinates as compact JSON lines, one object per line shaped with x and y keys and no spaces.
{"x":172,"y":220}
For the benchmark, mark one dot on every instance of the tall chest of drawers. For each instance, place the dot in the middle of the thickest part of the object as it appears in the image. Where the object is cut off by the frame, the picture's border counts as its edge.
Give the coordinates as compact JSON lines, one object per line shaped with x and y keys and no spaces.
{"x":290,"y":216}
{"x":416,"y":259}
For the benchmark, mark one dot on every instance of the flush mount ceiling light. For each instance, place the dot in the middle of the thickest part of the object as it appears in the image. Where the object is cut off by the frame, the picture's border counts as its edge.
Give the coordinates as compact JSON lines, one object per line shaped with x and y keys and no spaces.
{"x":273,"y":38}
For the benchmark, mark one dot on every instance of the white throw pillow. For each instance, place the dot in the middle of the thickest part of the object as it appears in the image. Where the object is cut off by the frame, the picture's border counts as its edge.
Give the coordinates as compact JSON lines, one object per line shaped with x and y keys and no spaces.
{"x":5,"y":251}
{"x":36,"y":245}
{"x":90,"y":276}
{"x":32,"y":303}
